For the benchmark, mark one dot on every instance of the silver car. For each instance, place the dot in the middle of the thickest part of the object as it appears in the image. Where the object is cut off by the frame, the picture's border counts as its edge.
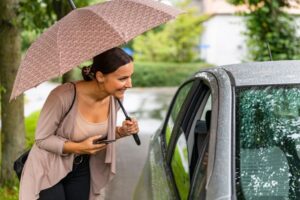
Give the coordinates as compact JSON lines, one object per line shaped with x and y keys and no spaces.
{"x":231,"y":132}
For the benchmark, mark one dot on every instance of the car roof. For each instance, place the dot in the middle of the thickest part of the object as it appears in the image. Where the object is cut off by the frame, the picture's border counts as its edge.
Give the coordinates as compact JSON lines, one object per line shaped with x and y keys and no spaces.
{"x":262,"y":73}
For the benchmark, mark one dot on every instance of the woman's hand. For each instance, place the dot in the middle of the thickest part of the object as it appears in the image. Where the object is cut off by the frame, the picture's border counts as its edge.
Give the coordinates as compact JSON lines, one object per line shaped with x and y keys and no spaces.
{"x":128,"y":127}
{"x":84,"y":147}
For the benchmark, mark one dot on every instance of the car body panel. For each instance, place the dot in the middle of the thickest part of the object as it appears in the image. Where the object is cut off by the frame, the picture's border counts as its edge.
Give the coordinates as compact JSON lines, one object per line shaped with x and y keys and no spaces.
{"x":155,"y":182}
{"x":264,"y":73}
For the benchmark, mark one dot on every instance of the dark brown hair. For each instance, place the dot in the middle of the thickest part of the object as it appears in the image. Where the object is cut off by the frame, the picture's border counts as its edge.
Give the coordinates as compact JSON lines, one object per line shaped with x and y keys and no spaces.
{"x":106,"y":62}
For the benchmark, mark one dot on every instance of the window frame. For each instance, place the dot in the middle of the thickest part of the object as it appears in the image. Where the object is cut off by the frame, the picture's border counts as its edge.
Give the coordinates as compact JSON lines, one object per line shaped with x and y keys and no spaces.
{"x":210,"y":80}
{"x":186,"y":113}
{"x":164,"y":147}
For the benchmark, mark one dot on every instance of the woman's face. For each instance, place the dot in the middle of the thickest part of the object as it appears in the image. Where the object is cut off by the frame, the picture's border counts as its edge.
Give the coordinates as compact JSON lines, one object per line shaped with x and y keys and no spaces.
{"x":117,"y":82}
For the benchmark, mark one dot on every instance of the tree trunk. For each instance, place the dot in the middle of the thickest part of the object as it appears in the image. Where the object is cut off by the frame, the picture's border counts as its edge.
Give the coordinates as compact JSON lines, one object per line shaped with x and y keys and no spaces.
{"x":62,"y":8}
{"x":12,"y":113}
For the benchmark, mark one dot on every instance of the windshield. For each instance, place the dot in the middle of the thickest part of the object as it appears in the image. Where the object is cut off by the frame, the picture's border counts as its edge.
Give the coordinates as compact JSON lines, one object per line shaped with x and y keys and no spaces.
{"x":268,"y":142}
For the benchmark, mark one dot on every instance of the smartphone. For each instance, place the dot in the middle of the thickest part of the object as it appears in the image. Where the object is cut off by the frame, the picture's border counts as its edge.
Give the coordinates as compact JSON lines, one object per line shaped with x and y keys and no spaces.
{"x":102,"y":141}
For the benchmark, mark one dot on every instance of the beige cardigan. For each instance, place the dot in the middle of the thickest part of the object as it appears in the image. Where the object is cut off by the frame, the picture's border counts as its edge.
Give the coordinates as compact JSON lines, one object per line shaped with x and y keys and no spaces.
{"x":46,"y":164}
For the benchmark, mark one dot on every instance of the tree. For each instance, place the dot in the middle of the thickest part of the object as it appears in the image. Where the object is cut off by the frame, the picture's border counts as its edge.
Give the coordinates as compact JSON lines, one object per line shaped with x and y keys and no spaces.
{"x":12,"y":113}
{"x":177,"y":41}
{"x":269,"y":27}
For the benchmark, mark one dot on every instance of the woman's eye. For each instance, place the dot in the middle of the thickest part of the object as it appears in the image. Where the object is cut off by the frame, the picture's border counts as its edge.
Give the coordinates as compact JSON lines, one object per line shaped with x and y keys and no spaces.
{"x":123,"y":79}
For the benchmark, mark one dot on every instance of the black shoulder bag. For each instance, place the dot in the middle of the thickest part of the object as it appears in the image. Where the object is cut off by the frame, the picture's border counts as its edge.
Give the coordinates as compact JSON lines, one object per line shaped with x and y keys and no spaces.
{"x":20,"y":162}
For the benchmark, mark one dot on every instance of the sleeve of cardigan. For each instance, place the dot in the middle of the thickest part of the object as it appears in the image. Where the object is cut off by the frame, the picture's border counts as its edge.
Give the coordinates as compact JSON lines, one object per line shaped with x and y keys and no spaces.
{"x":49,"y":120}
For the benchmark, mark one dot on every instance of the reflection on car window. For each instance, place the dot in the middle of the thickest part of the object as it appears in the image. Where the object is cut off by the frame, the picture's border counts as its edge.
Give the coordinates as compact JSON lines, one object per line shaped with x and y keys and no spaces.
{"x":268,"y":142}
{"x":202,"y":132}
{"x":176,"y":108}
{"x":180,"y":167}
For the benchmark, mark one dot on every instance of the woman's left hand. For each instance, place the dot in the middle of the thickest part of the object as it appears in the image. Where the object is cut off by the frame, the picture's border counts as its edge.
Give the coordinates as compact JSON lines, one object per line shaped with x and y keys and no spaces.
{"x":129,"y":127}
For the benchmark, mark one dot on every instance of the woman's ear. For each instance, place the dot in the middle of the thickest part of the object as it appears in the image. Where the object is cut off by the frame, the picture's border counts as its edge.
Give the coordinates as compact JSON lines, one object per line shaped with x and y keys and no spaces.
{"x":99,"y":77}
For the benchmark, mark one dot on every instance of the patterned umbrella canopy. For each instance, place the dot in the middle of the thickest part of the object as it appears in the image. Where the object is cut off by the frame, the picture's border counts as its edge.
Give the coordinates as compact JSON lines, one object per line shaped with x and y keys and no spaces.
{"x":83,"y":34}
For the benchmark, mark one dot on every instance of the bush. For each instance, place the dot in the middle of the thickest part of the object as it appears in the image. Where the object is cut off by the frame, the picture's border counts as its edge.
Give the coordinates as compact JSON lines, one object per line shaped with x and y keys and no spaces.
{"x":163,"y":74}
{"x":7,"y":193}
{"x":153,"y":74}
{"x":270,"y":27}
{"x":176,"y":41}
{"x":30,"y":125}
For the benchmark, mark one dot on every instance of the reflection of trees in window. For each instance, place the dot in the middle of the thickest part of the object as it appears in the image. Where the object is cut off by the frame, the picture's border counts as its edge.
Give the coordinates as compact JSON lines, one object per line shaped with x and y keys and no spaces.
{"x":180,"y":167}
{"x":269,"y":132}
{"x":180,"y":99}
{"x":176,"y":108}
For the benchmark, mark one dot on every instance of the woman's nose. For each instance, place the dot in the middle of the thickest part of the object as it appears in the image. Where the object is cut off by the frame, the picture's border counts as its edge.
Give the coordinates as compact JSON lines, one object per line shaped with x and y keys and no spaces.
{"x":128,"y":83}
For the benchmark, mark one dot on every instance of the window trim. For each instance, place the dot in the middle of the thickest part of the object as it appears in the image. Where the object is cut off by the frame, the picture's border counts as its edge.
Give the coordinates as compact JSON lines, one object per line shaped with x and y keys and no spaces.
{"x":164,"y":147}
{"x":184,"y":116}
{"x":163,"y":130}
{"x":211,"y":81}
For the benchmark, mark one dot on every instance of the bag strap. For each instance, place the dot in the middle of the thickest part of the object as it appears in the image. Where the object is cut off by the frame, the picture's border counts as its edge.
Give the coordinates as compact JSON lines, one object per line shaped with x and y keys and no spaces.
{"x":74,"y":97}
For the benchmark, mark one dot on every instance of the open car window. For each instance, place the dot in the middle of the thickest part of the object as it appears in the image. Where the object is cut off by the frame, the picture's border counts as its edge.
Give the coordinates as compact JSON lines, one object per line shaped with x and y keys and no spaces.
{"x":192,"y":127}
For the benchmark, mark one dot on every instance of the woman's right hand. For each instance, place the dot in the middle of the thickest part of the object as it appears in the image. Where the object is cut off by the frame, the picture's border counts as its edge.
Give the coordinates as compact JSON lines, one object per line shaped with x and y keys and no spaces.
{"x":87,"y":146}
{"x":84,"y":147}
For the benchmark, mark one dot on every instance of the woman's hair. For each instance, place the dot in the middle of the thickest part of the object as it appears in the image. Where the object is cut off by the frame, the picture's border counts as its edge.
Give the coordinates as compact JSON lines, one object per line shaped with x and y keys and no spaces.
{"x":106,"y":62}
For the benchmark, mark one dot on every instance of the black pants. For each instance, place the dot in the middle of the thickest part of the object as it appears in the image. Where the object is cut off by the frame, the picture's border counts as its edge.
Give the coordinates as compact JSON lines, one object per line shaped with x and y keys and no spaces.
{"x":75,"y":186}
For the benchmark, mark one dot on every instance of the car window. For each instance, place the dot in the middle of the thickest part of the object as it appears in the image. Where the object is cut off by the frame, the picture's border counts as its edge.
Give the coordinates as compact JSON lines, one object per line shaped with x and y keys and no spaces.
{"x":180,"y":167}
{"x":268,"y":142}
{"x":179,"y":99}
{"x":200,"y":151}
{"x":180,"y":160}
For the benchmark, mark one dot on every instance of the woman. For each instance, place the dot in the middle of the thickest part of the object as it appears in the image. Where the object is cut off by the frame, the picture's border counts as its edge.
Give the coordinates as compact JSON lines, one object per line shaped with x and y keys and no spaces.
{"x":64,"y":163}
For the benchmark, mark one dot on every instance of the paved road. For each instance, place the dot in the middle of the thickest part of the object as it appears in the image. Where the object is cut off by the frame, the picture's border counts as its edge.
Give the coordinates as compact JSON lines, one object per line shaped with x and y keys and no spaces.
{"x":130,"y":162}
{"x":149,"y":107}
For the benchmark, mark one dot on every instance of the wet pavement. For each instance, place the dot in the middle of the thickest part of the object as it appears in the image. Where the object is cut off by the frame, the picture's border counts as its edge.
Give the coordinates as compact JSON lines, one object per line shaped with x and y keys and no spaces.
{"x":149,"y":106}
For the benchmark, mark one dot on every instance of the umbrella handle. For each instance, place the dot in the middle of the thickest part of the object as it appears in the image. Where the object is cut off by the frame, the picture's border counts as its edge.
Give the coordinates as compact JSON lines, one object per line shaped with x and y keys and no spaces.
{"x":72,"y":4}
{"x":135,"y":136}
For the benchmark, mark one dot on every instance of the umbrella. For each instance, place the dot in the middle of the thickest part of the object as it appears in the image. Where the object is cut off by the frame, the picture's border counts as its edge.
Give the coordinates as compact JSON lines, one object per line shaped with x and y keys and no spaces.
{"x":83,"y":34}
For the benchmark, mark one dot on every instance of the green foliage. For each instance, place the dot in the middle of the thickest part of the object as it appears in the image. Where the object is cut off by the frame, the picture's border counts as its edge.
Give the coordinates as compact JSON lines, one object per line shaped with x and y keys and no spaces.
{"x":175,"y":41}
{"x":181,"y":177}
{"x":11,"y":190}
{"x":37,"y":15}
{"x":147,"y":74}
{"x":7,"y":193}
{"x":30,"y":124}
{"x":157,"y":74}
{"x":267,"y":24}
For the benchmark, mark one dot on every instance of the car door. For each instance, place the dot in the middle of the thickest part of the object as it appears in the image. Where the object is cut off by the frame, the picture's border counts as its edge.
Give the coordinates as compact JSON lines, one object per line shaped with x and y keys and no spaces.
{"x":187,"y":138}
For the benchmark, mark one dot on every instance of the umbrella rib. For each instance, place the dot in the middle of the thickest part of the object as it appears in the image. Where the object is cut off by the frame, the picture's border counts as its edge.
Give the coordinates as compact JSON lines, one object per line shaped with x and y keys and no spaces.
{"x":59,"y":52}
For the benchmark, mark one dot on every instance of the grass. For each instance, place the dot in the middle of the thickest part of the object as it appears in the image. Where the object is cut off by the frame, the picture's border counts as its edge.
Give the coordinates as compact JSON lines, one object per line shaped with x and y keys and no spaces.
{"x":12,"y":193}
{"x":7,"y":193}
{"x":30,"y":125}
